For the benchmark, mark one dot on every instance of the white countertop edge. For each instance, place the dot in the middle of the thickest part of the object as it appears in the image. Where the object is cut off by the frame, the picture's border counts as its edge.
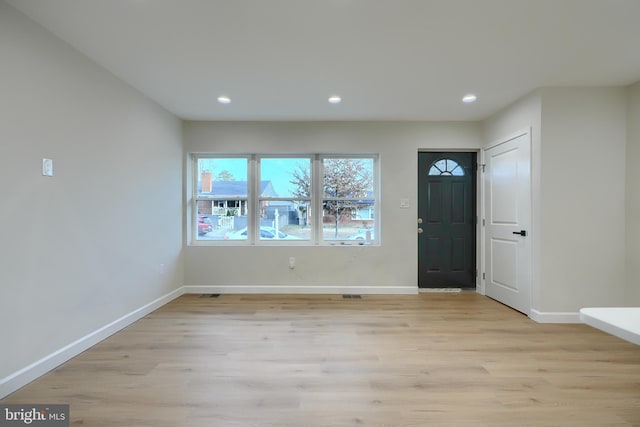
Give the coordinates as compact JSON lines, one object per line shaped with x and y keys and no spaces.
{"x":623,"y":322}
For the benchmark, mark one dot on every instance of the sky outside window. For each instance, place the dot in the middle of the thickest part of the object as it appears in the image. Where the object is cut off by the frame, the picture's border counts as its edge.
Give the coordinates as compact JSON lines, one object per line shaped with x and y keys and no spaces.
{"x":281,"y":173}
{"x":236,"y":167}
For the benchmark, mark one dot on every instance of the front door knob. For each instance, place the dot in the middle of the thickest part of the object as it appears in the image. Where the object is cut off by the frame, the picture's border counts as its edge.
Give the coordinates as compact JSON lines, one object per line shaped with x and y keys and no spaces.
{"x":420,"y":230}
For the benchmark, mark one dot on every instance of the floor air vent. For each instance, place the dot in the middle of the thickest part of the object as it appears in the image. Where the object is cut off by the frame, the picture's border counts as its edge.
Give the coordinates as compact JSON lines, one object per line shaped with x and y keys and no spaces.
{"x":352,"y":296}
{"x":209,"y":295}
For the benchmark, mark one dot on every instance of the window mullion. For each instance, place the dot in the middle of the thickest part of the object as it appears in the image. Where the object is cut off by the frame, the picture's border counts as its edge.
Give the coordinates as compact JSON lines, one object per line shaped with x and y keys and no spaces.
{"x":253,"y":198}
{"x":316,"y":194}
{"x":194,"y":198}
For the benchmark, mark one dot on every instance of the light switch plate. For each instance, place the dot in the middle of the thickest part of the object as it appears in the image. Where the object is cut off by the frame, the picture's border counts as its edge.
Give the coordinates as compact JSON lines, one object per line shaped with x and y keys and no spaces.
{"x":404,"y":203}
{"x":47,"y":167}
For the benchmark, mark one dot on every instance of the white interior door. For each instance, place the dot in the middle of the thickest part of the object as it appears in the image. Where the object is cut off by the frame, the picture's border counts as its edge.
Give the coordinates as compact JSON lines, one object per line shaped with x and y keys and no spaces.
{"x":507,"y":186}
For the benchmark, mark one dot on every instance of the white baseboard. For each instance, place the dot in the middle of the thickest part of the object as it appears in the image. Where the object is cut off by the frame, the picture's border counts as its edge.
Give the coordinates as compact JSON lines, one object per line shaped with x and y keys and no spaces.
{"x":277,"y":289}
{"x":29,"y":373}
{"x":554,"y":317}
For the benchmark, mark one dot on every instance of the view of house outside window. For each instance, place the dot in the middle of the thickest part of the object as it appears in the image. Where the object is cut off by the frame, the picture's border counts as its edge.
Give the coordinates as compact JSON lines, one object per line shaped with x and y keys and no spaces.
{"x":295,"y":199}
{"x":348,"y":200}
{"x":285,"y":198}
{"x":222,"y":203}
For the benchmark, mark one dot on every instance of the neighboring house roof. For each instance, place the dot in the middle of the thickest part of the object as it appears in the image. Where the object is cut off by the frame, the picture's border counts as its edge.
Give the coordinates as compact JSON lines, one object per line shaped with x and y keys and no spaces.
{"x":237,"y":189}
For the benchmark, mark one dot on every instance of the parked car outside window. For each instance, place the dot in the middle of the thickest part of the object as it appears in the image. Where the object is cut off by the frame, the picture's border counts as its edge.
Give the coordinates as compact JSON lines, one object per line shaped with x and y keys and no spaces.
{"x":362,"y":235}
{"x":204,"y":225}
{"x":265,"y":233}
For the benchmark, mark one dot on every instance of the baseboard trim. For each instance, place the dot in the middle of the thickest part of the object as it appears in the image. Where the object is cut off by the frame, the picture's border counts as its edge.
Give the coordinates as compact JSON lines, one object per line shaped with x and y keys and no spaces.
{"x":33,"y":371}
{"x":284,"y":289}
{"x":554,"y":317}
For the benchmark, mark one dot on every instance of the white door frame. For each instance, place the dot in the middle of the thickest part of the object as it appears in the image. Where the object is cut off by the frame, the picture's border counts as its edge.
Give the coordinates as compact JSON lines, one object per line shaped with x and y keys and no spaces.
{"x":533,"y":231}
{"x":479,"y":206}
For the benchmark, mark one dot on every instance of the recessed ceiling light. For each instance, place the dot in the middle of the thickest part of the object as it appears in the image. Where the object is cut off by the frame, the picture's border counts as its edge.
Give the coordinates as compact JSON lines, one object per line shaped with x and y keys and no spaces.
{"x":469,"y":98}
{"x":335,"y":99}
{"x":223,"y":99}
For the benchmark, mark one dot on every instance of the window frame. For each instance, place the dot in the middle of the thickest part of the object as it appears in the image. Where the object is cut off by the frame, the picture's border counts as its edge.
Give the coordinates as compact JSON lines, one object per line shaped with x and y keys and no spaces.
{"x":195,"y":197}
{"x":258,"y":180}
{"x":254,"y":199}
{"x":324,"y":197}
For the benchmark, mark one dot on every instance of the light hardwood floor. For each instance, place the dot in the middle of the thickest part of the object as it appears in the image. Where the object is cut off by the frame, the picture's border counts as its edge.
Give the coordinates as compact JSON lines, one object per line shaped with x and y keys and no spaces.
{"x":283,"y":360}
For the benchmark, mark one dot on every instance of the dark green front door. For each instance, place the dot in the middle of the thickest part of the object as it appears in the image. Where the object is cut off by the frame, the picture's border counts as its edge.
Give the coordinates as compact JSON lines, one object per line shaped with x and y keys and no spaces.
{"x":447,"y":218}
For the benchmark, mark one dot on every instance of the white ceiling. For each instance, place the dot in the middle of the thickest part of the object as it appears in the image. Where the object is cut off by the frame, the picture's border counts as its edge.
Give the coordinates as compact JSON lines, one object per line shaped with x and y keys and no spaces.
{"x":388,"y":59}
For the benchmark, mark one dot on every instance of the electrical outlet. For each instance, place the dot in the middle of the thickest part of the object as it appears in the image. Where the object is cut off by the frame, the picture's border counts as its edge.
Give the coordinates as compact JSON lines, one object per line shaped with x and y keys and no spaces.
{"x":292,"y":263}
{"x":161,"y":269}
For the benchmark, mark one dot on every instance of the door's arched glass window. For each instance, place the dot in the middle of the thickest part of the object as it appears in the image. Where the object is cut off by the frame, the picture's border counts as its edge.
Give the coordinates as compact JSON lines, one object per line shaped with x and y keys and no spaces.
{"x":446,"y":167}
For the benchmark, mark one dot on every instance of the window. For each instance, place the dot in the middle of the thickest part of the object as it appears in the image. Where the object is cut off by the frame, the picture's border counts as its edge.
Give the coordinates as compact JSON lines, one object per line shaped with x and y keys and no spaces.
{"x":221,"y":200}
{"x":285,"y":199}
{"x":446,"y":167}
{"x":347,"y":186}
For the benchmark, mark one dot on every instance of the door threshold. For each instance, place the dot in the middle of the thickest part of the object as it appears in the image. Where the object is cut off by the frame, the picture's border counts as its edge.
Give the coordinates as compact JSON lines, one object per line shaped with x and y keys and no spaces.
{"x":439,"y":290}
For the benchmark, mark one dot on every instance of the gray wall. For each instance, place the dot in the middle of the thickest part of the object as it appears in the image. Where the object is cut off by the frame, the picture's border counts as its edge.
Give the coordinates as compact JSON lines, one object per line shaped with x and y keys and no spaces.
{"x":633,"y":197}
{"x":82,"y":248}
{"x":393,"y":264}
{"x":583,"y":192}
